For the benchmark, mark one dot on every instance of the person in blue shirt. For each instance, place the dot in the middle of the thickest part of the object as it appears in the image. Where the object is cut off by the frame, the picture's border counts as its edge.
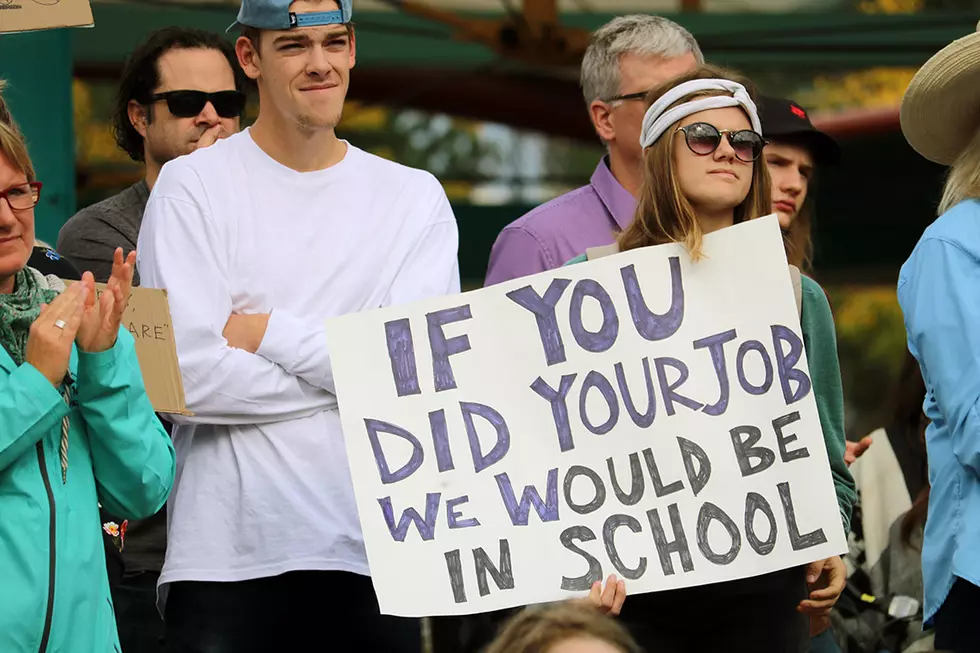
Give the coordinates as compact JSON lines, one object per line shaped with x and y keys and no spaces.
{"x":939,"y":292}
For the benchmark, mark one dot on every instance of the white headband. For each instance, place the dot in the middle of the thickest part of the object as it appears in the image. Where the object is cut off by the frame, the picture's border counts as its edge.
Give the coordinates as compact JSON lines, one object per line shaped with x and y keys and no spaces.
{"x":658,"y":117}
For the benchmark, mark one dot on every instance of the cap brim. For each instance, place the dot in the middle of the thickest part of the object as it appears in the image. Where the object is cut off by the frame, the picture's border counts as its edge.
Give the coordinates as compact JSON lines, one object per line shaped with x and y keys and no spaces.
{"x":823,"y":147}
{"x":826,"y":151}
{"x":941,"y":107}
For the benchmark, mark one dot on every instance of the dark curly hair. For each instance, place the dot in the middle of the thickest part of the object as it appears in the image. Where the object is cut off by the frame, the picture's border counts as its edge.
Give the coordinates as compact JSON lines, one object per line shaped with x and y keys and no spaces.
{"x":141,"y":76}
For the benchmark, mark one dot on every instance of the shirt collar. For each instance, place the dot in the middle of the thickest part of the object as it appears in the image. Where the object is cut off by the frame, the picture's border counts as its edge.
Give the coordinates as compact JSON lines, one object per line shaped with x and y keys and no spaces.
{"x":142,"y":190}
{"x":6,"y":362}
{"x":617,"y":200}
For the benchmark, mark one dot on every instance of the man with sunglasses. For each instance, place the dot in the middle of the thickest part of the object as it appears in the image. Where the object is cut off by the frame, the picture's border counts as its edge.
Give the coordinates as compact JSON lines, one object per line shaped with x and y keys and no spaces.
{"x":180,"y":91}
{"x":627,"y":57}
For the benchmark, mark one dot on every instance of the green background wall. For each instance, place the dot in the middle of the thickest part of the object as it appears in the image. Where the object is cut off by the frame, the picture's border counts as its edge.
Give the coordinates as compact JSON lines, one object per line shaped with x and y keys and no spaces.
{"x":38,"y":69}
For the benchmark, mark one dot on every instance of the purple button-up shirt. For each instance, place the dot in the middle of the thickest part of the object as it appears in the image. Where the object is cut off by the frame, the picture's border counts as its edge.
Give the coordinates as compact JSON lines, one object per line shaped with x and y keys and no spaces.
{"x":558,"y":231}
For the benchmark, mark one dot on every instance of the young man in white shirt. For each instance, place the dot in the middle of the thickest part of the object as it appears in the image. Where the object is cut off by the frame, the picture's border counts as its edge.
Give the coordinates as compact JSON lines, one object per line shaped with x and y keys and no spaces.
{"x":257,"y":240}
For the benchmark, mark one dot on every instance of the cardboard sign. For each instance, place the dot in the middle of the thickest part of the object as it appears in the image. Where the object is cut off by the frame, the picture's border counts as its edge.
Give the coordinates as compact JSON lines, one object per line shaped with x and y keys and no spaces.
{"x":31,"y":15}
{"x":147,"y":318}
{"x":639,"y":414}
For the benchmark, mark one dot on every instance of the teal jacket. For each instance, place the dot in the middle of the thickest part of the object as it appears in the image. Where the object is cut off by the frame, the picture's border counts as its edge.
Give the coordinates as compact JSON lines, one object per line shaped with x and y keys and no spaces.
{"x":54,"y":590}
{"x":820,"y":342}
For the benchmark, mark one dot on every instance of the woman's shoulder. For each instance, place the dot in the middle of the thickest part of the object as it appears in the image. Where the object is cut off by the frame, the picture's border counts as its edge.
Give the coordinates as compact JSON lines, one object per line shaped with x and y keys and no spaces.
{"x":814,"y":295}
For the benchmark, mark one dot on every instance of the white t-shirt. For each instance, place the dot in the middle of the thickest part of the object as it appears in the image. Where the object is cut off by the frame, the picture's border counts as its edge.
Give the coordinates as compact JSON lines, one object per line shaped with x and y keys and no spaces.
{"x":262,"y":483}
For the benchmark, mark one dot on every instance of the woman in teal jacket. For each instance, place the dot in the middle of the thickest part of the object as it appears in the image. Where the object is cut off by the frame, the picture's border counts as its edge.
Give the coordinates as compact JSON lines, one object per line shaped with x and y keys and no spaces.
{"x":76,"y":429}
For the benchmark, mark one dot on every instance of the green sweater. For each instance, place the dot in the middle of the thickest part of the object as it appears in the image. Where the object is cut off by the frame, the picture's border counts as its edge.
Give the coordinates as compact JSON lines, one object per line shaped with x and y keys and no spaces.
{"x":820,"y":341}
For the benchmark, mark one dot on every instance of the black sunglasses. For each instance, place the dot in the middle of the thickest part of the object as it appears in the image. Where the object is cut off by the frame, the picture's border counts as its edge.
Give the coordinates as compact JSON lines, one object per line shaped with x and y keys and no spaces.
{"x":704,"y":138}
{"x":187,"y":104}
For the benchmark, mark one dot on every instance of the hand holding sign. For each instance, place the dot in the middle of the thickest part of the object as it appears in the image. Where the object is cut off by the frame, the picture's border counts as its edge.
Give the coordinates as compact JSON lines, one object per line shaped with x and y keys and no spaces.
{"x":826,"y":580}
{"x":610,"y":600}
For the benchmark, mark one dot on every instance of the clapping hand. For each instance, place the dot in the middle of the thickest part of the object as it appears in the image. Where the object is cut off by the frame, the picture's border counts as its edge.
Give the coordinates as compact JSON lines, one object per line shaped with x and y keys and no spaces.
{"x":49,"y":343}
{"x":103,"y":315}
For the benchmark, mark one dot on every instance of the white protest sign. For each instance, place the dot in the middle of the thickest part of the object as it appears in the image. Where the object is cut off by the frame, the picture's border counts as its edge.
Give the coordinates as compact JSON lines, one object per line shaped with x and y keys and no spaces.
{"x":658,"y":423}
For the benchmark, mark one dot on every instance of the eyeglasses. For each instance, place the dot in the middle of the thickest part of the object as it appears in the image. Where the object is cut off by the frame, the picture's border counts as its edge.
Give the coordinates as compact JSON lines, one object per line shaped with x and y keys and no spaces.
{"x":641,"y":95}
{"x":187,"y":104}
{"x":704,"y":138}
{"x":22,"y":196}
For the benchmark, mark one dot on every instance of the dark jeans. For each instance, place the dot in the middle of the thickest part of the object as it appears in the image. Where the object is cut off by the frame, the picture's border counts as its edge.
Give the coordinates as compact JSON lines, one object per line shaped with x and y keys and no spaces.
{"x":754,"y":615}
{"x":297,"y":611}
{"x":957,"y":623}
{"x":469,"y":633}
{"x":140,"y":627}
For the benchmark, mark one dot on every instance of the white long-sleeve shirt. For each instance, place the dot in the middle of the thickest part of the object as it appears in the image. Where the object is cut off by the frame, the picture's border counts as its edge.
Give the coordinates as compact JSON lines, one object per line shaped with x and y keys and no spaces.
{"x":262,"y":483}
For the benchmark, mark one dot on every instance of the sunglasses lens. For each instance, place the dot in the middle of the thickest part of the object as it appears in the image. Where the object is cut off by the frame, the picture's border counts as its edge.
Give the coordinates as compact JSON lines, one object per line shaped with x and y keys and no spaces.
{"x":186,"y":104}
{"x":702,"y":138}
{"x":747,"y":145}
{"x":228,"y":104}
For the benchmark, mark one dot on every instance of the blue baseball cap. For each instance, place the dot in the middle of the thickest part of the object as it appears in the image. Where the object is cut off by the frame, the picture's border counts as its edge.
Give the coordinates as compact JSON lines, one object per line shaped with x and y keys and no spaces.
{"x":275,"y":15}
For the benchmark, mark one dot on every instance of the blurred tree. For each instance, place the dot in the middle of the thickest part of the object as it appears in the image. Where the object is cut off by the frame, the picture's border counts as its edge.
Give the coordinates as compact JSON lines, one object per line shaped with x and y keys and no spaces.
{"x":452,"y":149}
{"x":571,"y":160}
{"x":889,"y":6}
{"x":912,"y":6}
{"x":871,"y":88}
{"x":94,"y":143}
{"x":871,"y":345}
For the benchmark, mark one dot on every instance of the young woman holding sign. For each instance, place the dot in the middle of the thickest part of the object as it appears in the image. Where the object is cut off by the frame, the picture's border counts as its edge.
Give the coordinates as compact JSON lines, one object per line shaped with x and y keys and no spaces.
{"x":703,"y":171}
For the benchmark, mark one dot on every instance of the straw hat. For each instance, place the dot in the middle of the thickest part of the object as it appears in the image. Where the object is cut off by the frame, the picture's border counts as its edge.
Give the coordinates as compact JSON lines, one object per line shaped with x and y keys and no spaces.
{"x":941,"y":108}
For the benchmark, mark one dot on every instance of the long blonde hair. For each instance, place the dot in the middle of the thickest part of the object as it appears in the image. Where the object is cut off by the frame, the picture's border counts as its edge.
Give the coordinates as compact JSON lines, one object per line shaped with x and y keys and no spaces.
{"x":963,"y":178}
{"x":663,"y":212}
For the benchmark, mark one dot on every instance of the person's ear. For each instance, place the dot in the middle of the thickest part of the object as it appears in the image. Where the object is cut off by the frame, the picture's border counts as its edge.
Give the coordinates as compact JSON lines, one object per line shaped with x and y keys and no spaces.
{"x":248,"y":56}
{"x":353,"y":48}
{"x":602,"y":120}
{"x":138,"y":117}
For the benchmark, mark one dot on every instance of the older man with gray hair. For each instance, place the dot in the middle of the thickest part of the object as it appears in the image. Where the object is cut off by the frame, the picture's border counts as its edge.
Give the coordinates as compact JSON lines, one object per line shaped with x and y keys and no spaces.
{"x":626,"y":58}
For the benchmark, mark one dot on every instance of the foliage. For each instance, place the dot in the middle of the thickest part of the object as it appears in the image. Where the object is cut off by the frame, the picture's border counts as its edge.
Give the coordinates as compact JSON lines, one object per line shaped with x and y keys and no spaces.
{"x":94,"y":144}
{"x":572,"y":159}
{"x":890,"y":6}
{"x":912,"y":6}
{"x":872,"y":88}
{"x":871,"y":345}
{"x":449,"y":148}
